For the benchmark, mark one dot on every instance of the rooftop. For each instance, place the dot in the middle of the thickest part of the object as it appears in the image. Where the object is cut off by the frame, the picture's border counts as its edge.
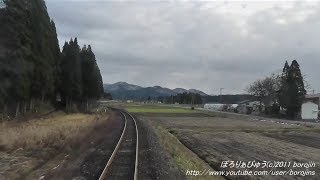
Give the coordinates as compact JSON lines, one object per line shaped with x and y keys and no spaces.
{"x":313,"y":95}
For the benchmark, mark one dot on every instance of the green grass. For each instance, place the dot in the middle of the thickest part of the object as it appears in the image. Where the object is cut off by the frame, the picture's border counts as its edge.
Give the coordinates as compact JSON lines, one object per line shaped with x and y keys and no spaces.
{"x":156,"y":109}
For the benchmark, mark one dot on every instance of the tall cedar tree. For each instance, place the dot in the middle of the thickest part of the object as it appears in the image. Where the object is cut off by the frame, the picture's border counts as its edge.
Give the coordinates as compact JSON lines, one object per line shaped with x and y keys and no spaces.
{"x":296,"y":90}
{"x":32,"y":69}
{"x":28,"y":56}
{"x":283,"y":92}
{"x":71,"y":74}
{"x":15,"y":54}
{"x":54,"y":45}
{"x":91,"y":77}
{"x":97,"y":78}
{"x":292,"y":90}
{"x":81,"y":77}
{"x":45,"y":52}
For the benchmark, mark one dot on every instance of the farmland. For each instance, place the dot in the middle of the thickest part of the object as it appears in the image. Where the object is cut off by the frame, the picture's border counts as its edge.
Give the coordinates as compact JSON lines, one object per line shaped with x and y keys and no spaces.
{"x":216,"y":137}
{"x":35,"y":147}
{"x":156,"y":109}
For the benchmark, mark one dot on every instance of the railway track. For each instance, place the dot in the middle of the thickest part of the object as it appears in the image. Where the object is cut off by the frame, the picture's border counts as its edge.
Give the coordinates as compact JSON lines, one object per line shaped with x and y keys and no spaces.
{"x":123,"y":163}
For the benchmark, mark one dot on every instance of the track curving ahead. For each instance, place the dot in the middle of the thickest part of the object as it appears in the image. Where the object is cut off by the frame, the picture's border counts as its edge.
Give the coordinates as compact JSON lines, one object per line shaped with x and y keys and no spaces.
{"x":123,"y":163}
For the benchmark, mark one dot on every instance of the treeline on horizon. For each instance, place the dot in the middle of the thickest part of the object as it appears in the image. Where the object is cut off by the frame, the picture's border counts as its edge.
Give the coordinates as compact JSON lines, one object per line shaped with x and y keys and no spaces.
{"x":228,"y":98}
{"x":33,"y":71}
{"x":195,"y":98}
{"x":181,"y":98}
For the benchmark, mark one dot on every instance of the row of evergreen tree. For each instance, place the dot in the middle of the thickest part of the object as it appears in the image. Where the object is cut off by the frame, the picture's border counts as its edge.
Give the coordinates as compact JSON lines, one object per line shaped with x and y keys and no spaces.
{"x":32,"y":68}
{"x":184,"y":98}
{"x":292,"y":89}
{"x":81,"y":81}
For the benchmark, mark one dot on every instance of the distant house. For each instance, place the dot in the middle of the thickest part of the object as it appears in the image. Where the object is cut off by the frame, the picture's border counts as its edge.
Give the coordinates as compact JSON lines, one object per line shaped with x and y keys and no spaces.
{"x":249,"y":107}
{"x":315,"y":98}
{"x":309,"y":110}
{"x":214,"y":106}
{"x":242,"y":107}
{"x":129,"y":101}
{"x":220,"y":107}
{"x":310,"y":107}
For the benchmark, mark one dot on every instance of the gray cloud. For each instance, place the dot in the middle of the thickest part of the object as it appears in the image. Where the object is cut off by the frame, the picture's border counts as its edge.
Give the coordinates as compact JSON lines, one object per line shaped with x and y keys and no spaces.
{"x":193,"y":45}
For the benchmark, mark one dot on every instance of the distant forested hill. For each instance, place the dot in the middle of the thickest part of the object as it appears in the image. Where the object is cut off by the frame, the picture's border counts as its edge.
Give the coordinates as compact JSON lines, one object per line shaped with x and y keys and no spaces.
{"x":125,"y":91}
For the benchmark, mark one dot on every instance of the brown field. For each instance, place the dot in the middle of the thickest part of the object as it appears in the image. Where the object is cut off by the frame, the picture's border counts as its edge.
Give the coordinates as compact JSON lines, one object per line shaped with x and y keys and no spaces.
{"x":27,"y":146}
{"x":215,"y":139}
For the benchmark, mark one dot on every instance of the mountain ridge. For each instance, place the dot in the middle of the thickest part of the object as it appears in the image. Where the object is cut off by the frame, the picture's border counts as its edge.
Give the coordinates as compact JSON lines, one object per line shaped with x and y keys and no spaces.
{"x":124,"y":90}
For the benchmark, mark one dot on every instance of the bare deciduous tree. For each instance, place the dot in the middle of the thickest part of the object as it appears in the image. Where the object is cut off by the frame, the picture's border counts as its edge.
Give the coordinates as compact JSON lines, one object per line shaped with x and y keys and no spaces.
{"x":266,"y":89}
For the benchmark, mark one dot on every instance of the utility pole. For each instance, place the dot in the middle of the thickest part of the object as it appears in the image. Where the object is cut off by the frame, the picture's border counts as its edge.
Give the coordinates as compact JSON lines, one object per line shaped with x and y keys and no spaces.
{"x":171,"y":99}
{"x":221,"y":95}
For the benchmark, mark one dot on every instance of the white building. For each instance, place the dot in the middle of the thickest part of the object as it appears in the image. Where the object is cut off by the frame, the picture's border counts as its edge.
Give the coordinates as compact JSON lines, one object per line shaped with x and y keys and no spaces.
{"x":314,"y":98}
{"x":249,"y":107}
{"x":309,"y":110}
{"x":220,"y":107}
{"x":216,"y":107}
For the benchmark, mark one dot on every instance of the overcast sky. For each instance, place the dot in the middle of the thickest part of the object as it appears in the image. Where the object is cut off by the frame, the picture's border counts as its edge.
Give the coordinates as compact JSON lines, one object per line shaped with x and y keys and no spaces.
{"x":202,"y":45}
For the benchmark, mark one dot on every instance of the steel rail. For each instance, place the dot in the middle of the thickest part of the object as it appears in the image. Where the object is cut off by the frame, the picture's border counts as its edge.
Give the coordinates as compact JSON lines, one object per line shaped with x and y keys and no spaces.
{"x":137,"y":148}
{"x":105,"y":170}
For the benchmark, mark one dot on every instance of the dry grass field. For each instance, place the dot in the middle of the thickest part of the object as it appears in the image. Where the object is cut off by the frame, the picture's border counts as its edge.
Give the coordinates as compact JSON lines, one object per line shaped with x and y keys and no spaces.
{"x":47,"y":133}
{"x":25,"y":146}
{"x":215,"y":139}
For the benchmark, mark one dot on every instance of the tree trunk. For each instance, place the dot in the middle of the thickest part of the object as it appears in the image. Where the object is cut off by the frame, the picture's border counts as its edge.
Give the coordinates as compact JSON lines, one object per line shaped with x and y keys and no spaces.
{"x":87,"y":105}
{"x":24,"y":107}
{"x":17,"y":109}
{"x":31,"y":105}
{"x":5,"y":111}
{"x":42,"y":97}
{"x":67,"y":103}
{"x":70,"y":104}
{"x":260,"y":107}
